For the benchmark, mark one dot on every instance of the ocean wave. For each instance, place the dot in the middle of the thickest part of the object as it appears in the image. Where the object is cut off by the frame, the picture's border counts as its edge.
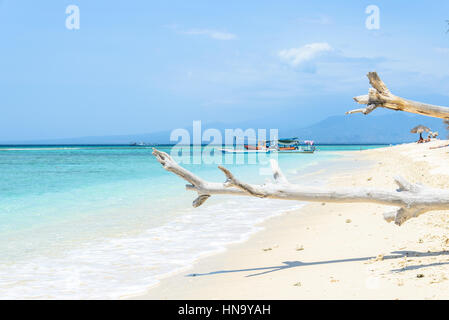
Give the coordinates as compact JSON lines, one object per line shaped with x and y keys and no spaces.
{"x":117,"y":267}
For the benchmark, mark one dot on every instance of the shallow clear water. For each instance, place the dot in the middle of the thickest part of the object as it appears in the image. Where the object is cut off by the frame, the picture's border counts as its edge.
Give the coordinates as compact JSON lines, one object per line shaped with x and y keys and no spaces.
{"x":85,"y":221}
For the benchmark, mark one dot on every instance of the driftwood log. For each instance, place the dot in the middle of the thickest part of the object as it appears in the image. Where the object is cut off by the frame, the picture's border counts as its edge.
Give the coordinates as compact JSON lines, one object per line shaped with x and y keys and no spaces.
{"x":380,"y":96}
{"x":410,"y":199}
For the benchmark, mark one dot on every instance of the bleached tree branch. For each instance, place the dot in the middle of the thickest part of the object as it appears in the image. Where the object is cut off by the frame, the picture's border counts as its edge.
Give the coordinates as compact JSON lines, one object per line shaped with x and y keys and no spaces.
{"x":380,"y":97}
{"x":411,"y":199}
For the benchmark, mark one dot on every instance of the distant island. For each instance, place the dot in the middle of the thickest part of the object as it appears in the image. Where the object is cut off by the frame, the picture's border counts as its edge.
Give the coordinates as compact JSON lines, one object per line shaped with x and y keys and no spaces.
{"x":387,"y":128}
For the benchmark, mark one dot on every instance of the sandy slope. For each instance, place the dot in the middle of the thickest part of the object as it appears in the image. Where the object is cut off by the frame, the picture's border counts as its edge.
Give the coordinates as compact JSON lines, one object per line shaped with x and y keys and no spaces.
{"x":337,"y":251}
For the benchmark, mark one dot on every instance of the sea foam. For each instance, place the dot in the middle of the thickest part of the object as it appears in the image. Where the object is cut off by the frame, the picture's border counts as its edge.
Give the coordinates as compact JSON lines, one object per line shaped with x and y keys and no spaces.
{"x":117,"y":267}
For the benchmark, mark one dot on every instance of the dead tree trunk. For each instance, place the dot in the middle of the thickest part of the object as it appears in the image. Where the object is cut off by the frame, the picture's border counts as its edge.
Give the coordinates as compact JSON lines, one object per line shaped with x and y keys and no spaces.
{"x":412,"y":200}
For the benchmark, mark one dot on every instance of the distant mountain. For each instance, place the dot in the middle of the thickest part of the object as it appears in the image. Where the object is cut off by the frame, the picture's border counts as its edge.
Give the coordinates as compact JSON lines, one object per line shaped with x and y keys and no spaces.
{"x":393,"y":127}
{"x":358,"y":128}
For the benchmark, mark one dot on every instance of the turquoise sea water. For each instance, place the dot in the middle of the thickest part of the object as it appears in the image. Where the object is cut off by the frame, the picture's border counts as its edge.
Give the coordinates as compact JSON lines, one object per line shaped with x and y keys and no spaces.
{"x":90,"y":221}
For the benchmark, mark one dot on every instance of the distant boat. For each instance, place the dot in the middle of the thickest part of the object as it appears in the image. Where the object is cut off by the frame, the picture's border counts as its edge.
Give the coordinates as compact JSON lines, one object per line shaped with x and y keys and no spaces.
{"x":248,"y":147}
{"x":288,"y":144}
{"x":265,"y":150}
{"x":309,"y":147}
{"x":262,"y":147}
{"x":291,"y":145}
{"x":139,"y":144}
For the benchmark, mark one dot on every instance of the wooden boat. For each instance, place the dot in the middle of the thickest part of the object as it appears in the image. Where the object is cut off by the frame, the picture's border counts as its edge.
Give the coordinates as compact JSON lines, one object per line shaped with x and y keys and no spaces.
{"x":239,"y":151}
{"x":262,"y":145}
{"x":287,"y":148}
{"x":292,"y":145}
{"x":248,"y":147}
{"x":308,"y":149}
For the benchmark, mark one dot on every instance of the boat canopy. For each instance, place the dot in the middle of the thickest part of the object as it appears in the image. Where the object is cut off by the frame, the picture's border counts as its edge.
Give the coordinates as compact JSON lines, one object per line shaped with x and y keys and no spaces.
{"x":289,"y":141}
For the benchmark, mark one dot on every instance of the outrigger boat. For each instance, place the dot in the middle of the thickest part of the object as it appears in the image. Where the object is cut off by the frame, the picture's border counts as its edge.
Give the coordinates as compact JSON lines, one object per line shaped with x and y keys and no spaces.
{"x":260,"y":148}
{"x":227,"y":150}
{"x":292,"y":145}
{"x":309,"y":147}
{"x":288,"y":144}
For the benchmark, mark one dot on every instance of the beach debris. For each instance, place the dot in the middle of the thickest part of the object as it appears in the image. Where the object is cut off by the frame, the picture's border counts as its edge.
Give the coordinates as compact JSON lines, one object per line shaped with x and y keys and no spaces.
{"x":420,"y":275}
{"x":446,"y":241}
{"x":369,"y":179}
{"x":348,"y":221}
{"x":379,"y":257}
{"x":298,"y":284}
{"x":334,"y":280}
{"x":299,"y":248}
{"x":400,"y":282}
{"x":442,"y":146}
{"x":267,"y":249}
{"x":438,"y":278}
{"x":402,"y":263}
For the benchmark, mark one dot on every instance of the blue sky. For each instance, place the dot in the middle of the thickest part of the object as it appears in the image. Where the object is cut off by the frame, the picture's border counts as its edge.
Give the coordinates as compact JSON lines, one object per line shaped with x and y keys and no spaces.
{"x":144,"y":66}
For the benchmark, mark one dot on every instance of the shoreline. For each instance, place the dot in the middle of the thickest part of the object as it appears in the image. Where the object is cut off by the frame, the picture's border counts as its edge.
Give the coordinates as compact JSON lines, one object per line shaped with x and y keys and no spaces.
{"x":259,"y":226}
{"x":340,"y":163}
{"x":334,"y":251}
{"x":143,"y":241}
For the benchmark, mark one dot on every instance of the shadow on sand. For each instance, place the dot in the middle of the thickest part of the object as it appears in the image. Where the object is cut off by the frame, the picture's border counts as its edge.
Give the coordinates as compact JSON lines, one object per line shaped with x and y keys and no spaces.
{"x":295,"y":264}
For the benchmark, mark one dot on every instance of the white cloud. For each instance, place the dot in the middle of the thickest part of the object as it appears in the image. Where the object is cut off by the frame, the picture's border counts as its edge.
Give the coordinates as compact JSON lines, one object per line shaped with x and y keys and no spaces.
{"x":214,"y":34}
{"x":297,"y":56}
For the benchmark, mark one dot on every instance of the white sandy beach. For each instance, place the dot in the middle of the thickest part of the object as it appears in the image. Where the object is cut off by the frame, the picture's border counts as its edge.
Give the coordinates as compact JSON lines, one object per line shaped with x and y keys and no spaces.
{"x":337,"y":251}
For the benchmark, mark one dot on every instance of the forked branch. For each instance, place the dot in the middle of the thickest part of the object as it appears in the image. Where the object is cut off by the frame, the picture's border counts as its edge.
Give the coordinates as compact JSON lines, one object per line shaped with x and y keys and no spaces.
{"x":411,"y":199}
{"x":380,"y":97}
